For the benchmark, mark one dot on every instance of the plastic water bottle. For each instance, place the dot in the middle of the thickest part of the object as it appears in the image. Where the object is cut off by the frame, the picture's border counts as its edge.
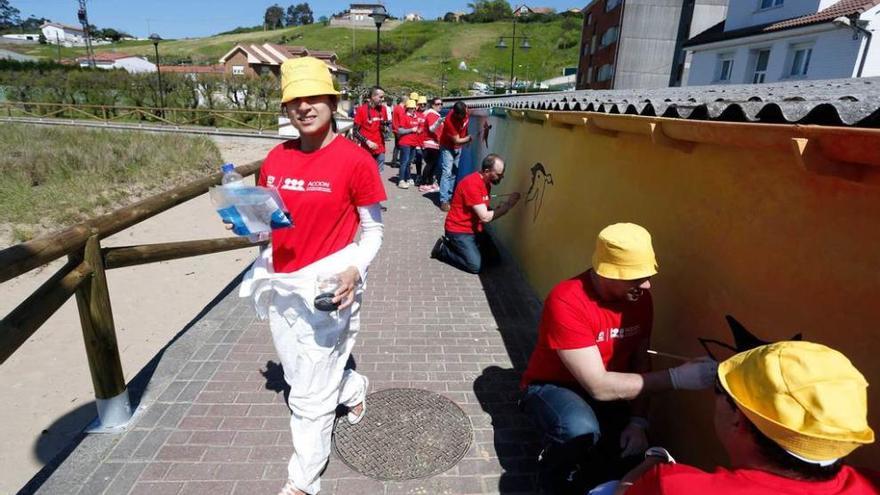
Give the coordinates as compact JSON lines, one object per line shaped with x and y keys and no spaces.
{"x":231,"y":178}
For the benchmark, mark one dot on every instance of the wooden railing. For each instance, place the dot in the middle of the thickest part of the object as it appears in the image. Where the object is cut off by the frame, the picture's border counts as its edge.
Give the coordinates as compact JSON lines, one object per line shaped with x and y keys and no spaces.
{"x":246,"y":119}
{"x":84,"y":276}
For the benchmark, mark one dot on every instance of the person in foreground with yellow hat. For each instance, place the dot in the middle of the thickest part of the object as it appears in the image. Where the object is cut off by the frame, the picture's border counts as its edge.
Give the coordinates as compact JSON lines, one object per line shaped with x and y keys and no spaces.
{"x":587,"y":378}
{"x":310,"y":282}
{"x":787,"y":415}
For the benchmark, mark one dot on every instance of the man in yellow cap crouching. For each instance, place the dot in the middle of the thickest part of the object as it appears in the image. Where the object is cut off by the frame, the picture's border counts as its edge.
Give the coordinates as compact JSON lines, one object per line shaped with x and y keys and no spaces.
{"x":587,"y":378}
{"x":787,"y":414}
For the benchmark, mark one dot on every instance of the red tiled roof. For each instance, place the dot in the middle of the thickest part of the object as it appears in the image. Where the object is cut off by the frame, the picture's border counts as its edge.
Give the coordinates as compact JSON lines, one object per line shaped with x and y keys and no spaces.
{"x":843,"y":8}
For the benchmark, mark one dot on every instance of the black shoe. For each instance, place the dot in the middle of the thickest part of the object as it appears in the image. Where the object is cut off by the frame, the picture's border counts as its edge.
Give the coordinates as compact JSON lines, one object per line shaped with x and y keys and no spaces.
{"x":435,"y":252}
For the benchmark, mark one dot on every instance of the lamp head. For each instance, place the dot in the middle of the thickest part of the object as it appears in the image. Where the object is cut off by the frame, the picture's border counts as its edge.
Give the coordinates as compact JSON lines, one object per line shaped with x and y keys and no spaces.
{"x":501,"y":44}
{"x":379,"y":15}
{"x":525,"y":44}
{"x":842,"y":21}
{"x":155,"y":38}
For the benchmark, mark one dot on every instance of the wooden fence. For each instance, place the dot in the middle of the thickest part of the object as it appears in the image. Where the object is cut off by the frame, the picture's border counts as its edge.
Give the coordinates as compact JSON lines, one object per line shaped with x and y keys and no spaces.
{"x":84,"y":276}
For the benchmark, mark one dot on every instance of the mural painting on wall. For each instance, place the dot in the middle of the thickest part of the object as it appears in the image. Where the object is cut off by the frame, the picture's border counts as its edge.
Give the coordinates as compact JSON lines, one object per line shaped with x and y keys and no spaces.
{"x":541,"y":180}
{"x":743,"y":339}
{"x":486,"y":128}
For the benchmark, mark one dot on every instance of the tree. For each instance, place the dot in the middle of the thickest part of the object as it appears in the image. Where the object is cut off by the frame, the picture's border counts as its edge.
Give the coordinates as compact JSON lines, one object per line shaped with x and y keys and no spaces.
{"x":490,"y":10}
{"x":299,"y":15}
{"x":273,"y":18}
{"x":9,"y":15}
{"x":449,"y":17}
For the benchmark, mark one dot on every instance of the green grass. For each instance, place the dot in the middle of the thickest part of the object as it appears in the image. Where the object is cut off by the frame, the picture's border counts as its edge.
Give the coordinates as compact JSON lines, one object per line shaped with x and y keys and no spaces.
{"x":422,"y":51}
{"x":52,"y":177}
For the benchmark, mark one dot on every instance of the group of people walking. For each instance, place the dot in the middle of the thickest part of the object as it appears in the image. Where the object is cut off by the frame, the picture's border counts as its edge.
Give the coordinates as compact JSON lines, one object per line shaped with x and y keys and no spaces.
{"x":787,"y":413}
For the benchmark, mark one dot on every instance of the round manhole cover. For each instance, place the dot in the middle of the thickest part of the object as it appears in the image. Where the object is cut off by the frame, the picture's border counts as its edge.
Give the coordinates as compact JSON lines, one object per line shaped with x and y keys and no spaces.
{"x":407,"y":434}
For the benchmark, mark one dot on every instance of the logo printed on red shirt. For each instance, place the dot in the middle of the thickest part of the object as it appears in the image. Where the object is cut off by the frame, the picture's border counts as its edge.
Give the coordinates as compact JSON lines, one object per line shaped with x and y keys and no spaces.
{"x":319,"y":186}
{"x":293,"y":184}
{"x":619,"y":333}
{"x":270,"y":180}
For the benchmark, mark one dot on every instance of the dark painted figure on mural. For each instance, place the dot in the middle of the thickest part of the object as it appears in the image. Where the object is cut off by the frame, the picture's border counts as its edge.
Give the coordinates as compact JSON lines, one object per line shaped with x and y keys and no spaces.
{"x":541,"y":179}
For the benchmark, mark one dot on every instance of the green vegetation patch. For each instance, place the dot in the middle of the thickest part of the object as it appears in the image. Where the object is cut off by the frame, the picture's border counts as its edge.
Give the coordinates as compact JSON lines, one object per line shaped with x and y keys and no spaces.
{"x":53,"y":177}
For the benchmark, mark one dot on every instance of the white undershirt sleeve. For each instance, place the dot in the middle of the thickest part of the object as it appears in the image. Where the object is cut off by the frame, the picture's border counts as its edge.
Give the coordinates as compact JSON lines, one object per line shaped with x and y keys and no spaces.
{"x":372,"y":231}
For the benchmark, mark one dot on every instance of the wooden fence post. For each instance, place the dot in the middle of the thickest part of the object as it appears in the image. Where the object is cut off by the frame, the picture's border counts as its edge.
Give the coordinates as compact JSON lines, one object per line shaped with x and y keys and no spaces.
{"x":99,"y":334}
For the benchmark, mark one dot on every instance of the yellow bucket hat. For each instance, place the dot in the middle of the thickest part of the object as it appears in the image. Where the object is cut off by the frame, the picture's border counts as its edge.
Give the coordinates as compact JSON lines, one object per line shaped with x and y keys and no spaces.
{"x":305,"y":76}
{"x":410,"y":103}
{"x":806,"y":397}
{"x":624,"y":252}
{"x":413,"y":96}
{"x":423,"y":100}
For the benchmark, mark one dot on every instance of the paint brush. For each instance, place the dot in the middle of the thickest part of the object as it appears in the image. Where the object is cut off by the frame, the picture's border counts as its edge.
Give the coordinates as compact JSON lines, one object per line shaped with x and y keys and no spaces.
{"x":671,"y":356}
{"x":502,"y":195}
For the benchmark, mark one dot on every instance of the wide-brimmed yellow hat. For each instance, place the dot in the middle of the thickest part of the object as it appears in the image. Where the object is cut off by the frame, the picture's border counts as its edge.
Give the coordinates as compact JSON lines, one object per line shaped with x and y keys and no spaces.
{"x":806,"y":397}
{"x":423,"y":100}
{"x":413,"y":96}
{"x":305,"y":76}
{"x":624,"y":252}
{"x":410,"y":103}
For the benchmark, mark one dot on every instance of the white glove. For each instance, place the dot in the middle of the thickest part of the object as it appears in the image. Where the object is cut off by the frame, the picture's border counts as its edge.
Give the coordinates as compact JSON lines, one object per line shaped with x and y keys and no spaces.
{"x":698,"y":374}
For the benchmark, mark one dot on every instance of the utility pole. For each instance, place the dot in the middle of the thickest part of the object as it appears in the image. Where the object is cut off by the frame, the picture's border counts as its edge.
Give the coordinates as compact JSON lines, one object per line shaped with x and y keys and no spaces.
{"x":83,"y":17}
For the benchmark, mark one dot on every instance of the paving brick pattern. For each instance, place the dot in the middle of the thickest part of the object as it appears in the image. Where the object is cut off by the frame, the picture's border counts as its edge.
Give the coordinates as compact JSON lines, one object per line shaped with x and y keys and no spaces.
{"x":219,"y":423}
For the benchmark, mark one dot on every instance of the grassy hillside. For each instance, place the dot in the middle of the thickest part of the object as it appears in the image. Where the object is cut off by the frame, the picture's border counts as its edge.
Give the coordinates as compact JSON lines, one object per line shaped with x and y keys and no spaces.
{"x":415,"y":54}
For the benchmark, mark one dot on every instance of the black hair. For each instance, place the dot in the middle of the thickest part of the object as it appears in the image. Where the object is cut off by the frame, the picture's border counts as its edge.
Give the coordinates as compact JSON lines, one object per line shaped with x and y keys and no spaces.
{"x":779,"y":458}
{"x":460,"y":108}
{"x":374,"y":89}
{"x":488,"y":163}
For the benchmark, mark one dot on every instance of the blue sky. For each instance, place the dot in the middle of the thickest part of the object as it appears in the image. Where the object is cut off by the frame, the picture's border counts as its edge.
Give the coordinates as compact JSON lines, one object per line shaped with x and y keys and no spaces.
{"x":197,"y":18}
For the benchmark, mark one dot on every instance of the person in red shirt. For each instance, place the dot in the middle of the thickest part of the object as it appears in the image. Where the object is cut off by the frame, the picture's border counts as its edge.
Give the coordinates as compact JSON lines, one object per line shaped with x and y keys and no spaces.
{"x":408,"y":130}
{"x":461,"y":246}
{"x":587,"y":378}
{"x":369,"y":124}
{"x":419,"y":153}
{"x":787,"y":414}
{"x":431,"y":147}
{"x":332,"y":189}
{"x":453,"y":135}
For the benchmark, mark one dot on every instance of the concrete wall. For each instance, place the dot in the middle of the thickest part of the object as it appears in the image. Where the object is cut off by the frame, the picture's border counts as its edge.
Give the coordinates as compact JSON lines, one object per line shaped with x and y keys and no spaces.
{"x":834,"y":56}
{"x":740,"y":227}
{"x":707,"y":13}
{"x":647,"y":44}
{"x":744,"y":13}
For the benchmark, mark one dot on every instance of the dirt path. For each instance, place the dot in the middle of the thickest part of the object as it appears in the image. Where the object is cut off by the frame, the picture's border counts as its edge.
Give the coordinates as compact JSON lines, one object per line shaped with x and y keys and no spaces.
{"x":46,"y":387}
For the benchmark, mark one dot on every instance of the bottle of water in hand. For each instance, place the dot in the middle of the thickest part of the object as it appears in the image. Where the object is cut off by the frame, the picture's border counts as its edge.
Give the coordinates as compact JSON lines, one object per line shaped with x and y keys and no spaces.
{"x":231,"y":178}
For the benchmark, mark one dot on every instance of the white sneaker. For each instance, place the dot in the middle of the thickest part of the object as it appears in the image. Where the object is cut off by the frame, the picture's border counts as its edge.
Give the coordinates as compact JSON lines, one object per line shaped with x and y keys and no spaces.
{"x":403,"y":184}
{"x":412,"y":182}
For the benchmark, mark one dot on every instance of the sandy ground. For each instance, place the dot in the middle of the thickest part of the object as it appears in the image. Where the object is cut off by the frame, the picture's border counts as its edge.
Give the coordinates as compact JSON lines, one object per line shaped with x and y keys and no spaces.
{"x":46,"y":390}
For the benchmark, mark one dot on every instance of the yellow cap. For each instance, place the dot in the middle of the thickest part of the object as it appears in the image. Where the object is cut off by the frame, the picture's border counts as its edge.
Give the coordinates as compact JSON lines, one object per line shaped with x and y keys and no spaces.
{"x":624,"y":252}
{"x":806,"y":397}
{"x":423,"y":100}
{"x":413,"y":96}
{"x":305,"y":76}
{"x":410,"y":103}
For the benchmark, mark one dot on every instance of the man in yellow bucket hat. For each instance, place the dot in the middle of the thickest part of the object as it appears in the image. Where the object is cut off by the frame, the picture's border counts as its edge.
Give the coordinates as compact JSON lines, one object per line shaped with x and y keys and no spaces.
{"x":787,"y":415}
{"x":309,"y":283}
{"x":587,"y":378}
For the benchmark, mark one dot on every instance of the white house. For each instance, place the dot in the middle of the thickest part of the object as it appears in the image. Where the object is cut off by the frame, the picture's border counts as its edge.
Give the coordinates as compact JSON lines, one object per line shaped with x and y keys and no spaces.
{"x":130,"y":63}
{"x":63,"y":34}
{"x":772,"y":40}
{"x":21,"y":38}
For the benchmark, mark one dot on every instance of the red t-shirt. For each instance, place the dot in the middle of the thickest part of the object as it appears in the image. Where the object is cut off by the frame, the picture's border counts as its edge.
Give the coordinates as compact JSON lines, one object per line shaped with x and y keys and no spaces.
{"x":574,"y":317}
{"x":462,"y":219}
{"x":397,"y":112}
{"x":453,"y":127}
{"x":408,"y":121}
{"x":431,"y":139}
{"x":322,"y":191}
{"x":674,"y":479}
{"x":369,"y":122}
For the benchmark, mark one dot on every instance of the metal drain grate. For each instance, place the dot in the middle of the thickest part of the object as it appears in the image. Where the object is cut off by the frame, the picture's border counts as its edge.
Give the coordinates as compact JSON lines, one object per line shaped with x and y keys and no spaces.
{"x":407,"y":434}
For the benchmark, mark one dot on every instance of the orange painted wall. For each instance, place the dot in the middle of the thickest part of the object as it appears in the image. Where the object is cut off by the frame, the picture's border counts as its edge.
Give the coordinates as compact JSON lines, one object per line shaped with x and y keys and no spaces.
{"x":737,"y":230}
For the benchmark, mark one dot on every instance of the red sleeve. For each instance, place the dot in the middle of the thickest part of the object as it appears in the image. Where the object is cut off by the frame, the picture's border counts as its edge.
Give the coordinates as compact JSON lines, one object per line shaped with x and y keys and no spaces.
{"x":267,"y":165}
{"x":464,"y":128}
{"x":395,"y":118}
{"x":366,"y":185}
{"x":565,"y":321}
{"x":360,"y":117}
{"x":472,"y":193}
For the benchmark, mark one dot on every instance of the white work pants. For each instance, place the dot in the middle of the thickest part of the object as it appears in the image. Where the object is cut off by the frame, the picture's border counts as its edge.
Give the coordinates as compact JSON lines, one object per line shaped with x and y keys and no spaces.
{"x":314,"y":349}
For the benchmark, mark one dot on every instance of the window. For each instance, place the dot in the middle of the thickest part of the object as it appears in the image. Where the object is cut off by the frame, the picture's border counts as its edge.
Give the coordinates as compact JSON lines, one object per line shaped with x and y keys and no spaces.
{"x":609,"y":36}
{"x":584,"y":49}
{"x":611,"y":4}
{"x":238,"y":70}
{"x":588,"y":18}
{"x":589,"y":75}
{"x":800,"y":60}
{"x":593,"y":44}
{"x":769,"y":4}
{"x":605,"y":72}
{"x":762,"y":57}
{"x":725,"y":67}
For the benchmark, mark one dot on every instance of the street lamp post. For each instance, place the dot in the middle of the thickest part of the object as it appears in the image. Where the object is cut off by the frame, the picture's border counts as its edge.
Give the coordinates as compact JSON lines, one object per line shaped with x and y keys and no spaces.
{"x":502,"y":45}
{"x":379,"y":15}
{"x":155,"y":38}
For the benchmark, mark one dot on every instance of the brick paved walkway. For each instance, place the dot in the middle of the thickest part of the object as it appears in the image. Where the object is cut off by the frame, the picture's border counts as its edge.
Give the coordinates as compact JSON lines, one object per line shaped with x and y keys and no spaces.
{"x":216,"y":422}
